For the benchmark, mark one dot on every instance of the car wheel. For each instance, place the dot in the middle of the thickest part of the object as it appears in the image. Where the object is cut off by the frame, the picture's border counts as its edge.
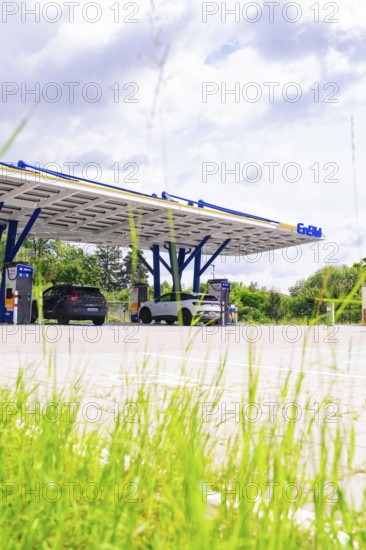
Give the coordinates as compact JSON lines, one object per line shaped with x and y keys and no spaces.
{"x":34,"y":314}
{"x":145,"y":316}
{"x":62,"y":317}
{"x":186,"y":317}
{"x":98,"y":321}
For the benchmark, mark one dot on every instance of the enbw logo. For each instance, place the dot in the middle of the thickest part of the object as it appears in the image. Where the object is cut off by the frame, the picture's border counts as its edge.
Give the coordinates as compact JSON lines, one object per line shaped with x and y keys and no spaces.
{"x":311,"y":230}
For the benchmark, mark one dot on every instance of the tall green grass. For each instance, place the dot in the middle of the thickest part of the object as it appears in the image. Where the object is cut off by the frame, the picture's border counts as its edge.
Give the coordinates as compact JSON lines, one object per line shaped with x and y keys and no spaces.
{"x":17,"y":131}
{"x":156,"y":471}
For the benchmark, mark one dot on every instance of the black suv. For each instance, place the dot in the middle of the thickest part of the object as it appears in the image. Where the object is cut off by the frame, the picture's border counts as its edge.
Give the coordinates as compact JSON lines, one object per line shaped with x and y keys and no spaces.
{"x":70,"y":302}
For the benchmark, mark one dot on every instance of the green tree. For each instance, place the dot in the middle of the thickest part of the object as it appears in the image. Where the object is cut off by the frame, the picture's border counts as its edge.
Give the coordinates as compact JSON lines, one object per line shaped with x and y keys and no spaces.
{"x":203,"y":288}
{"x":252,"y":305}
{"x":330,"y":282}
{"x":38,"y":248}
{"x":253,"y":286}
{"x":70,"y":264}
{"x":2,"y":250}
{"x":133,"y":270}
{"x":274,"y":304}
{"x":42,"y":254}
{"x":110,"y":267}
{"x":165,"y":287}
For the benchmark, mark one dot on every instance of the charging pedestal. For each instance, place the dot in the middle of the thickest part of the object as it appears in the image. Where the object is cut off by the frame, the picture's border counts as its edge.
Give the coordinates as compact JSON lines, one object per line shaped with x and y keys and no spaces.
{"x":233,"y":314}
{"x":18,"y":293}
{"x":138,"y":295}
{"x":220,"y":288}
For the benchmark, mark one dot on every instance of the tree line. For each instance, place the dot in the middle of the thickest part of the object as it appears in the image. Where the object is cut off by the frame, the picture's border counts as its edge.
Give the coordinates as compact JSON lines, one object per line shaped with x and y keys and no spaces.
{"x":308,"y":298}
{"x":111,"y":268}
{"x":115,"y":270}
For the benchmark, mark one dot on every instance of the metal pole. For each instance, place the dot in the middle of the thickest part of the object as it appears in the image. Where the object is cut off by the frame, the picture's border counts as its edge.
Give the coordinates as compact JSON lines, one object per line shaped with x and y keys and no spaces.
{"x":196,"y":272}
{"x":156,"y":266}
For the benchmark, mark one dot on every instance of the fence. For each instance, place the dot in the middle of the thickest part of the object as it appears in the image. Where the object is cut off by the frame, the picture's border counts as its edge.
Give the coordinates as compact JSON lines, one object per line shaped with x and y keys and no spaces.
{"x":118,"y":312}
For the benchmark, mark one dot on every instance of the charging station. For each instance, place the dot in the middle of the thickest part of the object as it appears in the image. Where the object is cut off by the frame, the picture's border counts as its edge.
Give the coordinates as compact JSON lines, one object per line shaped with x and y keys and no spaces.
{"x":220,"y":288}
{"x":139,"y":294}
{"x":18,"y":293}
{"x":47,"y":204}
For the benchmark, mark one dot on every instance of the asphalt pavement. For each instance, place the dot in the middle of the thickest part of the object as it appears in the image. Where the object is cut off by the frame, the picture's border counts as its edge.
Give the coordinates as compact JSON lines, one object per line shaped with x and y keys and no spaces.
{"x":103,"y":361}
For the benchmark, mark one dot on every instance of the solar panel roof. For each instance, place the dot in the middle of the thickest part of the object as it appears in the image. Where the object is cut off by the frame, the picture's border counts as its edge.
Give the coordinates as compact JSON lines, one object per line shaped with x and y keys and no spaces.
{"x":80,"y":210}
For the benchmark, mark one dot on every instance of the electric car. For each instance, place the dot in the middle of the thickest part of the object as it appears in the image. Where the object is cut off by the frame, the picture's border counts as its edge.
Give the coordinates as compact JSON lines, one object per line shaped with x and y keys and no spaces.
{"x":72,"y":302}
{"x":184,"y":307}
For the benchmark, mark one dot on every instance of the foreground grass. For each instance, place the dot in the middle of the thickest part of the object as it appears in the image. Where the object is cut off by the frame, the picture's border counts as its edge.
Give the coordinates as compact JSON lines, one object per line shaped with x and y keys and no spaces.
{"x":165,"y":473}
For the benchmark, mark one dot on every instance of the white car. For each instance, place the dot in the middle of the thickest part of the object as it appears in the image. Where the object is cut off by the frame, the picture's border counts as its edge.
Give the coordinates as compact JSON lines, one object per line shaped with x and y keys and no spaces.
{"x":181,"y":306}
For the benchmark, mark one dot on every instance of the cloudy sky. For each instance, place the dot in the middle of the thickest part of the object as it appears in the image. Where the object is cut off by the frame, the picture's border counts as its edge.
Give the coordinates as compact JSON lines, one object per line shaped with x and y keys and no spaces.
{"x":244,"y":104}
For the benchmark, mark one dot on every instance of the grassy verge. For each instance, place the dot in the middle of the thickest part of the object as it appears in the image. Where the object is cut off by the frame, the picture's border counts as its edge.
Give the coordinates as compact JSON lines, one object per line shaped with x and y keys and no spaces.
{"x":164,"y":472}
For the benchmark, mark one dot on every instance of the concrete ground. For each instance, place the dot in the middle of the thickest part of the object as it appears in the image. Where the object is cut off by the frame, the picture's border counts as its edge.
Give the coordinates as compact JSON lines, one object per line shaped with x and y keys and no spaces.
{"x":333,"y":360}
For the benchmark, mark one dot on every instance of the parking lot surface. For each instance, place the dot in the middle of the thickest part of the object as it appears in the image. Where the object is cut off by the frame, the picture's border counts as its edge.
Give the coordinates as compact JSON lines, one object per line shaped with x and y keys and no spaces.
{"x":105,"y":360}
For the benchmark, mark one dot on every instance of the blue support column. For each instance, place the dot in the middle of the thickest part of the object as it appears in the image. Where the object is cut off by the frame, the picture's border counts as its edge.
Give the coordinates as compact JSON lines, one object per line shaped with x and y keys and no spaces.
{"x":181,"y":257}
{"x":178,"y":263}
{"x":197,"y":271}
{"x":2,"y":229}
{"x":155,"y":270}
{"x":146,"y":264}
{"x":195,"y":252}
{"x":32,"y":220}
{"x":167,"y":267}
{"x":214,"y":256}
{"x":8,"y":257}
{"x":156,"y":264}
{"x":10,"y":241}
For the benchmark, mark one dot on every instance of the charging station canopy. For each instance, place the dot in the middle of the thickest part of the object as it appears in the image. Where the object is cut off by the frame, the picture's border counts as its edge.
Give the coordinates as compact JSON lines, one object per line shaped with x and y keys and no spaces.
{"x":80,"y":210}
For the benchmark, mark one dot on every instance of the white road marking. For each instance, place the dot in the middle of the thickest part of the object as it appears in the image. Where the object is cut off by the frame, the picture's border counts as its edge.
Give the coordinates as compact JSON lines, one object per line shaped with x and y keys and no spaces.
{"x":261,"y":367}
